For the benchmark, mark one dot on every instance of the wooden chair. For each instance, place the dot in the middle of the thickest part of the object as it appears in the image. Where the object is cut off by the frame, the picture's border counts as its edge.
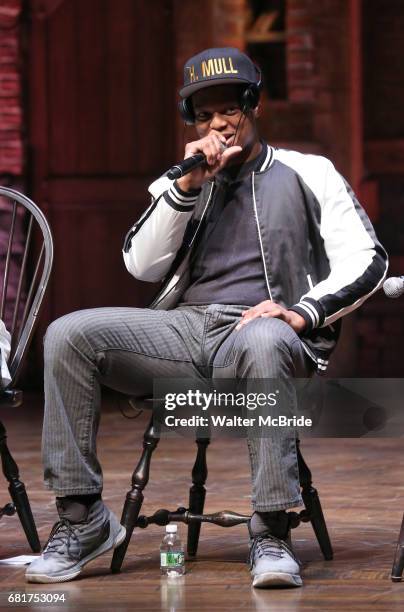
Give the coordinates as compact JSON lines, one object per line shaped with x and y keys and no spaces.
{"x":193,"y":515}
{"x":30,"y":266}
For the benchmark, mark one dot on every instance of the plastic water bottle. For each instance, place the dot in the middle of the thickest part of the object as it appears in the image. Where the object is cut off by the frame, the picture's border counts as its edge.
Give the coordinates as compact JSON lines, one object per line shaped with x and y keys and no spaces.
{"x":172,"y":560}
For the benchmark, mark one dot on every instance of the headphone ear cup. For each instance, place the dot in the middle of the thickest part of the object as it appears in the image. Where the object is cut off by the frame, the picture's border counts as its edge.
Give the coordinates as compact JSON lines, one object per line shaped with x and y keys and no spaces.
{"x":250,"y":98}
{"x":186,"y":111}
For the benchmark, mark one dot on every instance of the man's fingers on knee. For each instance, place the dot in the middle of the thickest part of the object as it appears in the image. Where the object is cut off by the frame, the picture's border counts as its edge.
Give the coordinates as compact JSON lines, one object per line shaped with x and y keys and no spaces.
{"x":247,"y":319}
{"x":242,"y":323}
{"x":251,"y":312}
{"x":252,"y":315}
{"x":275,"y":312}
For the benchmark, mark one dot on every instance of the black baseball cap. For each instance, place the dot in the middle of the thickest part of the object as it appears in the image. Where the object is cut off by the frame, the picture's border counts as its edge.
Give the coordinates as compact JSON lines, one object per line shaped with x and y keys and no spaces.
{"x":226,"y":65}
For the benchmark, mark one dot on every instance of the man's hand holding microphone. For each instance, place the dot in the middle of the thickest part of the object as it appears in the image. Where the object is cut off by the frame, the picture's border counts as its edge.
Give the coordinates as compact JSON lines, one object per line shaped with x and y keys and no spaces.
{"x":215,"y":155}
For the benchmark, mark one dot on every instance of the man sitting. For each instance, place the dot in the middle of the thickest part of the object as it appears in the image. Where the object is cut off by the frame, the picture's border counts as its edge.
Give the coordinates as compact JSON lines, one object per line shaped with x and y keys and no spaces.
{"x":261,"y":251}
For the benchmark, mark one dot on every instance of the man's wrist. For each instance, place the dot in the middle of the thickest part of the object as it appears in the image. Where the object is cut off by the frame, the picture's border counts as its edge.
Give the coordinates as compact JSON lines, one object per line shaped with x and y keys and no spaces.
{"x":187,"y":185}
{"x":182,"y":201}
{"x":296,"y":321}
{"x":311,"y":311}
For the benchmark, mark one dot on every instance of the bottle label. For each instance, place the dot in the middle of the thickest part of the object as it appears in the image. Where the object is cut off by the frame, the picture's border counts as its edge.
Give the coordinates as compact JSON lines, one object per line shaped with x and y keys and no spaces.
{"x":172,"y":559}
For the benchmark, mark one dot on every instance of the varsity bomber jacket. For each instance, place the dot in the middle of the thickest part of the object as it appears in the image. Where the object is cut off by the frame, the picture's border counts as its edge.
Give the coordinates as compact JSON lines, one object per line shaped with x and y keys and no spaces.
{"x":320,"y":254}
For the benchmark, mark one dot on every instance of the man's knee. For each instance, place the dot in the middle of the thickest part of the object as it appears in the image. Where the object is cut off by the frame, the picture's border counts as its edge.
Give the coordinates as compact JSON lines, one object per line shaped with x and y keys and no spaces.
{"x":265,"y":348}
{"x":65,"y":332}
{"x":265,"y":335}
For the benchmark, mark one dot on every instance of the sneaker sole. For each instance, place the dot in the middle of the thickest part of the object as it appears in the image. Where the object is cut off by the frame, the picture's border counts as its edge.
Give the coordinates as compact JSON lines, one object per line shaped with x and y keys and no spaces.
{"x":273,"y":579}
{"x":107,"y":545}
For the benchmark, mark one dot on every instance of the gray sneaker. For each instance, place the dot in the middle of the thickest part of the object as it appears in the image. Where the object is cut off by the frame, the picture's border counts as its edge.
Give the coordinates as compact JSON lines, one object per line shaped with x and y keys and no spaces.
{"x":79,"y":536}
{"x":273,"y":563}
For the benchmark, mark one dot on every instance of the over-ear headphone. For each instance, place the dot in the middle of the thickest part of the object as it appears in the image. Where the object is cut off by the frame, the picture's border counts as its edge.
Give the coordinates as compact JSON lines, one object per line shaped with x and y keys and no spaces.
{"x":187,"y":110}
{"x":248,"y":100}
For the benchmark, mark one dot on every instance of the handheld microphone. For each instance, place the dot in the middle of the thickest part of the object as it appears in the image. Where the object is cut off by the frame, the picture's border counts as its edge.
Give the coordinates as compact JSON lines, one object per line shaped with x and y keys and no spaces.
{"x":189,"y":164}
{"x":185,"y":166}
{"x":393,"y":287}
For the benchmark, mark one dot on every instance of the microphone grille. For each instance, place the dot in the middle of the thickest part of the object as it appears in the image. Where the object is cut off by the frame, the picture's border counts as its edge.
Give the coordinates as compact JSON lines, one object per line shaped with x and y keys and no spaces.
{"x":393,"y":287}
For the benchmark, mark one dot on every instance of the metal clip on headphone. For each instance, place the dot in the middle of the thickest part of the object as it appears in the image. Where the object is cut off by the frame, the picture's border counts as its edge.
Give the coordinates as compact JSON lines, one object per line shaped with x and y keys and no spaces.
{"x":248,"y":100}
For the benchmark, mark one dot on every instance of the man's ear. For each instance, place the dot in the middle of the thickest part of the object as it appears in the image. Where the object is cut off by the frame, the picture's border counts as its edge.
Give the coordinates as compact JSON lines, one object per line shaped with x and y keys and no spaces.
{"x":257,"y":110}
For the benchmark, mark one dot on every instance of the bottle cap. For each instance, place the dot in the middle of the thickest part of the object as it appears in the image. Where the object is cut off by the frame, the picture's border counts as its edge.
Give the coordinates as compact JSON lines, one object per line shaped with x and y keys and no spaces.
{"x":171,"y":528}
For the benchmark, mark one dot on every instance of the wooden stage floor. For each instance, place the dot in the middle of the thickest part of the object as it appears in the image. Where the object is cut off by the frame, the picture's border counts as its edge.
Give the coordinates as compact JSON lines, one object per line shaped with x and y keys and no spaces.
{"x":361,"y":487}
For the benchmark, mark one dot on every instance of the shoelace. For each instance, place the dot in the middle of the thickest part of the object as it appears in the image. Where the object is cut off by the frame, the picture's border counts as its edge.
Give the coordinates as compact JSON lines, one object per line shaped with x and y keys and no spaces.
{"x":271,"y":546}
{"x":63,"y":532}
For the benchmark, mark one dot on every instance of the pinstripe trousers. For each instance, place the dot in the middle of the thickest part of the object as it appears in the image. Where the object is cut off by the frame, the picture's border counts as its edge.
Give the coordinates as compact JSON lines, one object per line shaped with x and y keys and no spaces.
{"x":126,"y":348}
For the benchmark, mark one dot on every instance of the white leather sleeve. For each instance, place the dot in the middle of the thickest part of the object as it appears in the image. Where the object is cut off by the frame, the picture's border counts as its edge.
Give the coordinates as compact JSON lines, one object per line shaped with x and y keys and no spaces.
{"x":358,"y":262}
{"x":152,"y":243}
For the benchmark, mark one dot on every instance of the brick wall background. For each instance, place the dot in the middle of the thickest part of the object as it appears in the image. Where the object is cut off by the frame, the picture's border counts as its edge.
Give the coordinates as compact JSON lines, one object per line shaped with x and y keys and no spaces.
{"x":11,"y":112}
{"x":11,"y":142}
{"x":300,"y":51}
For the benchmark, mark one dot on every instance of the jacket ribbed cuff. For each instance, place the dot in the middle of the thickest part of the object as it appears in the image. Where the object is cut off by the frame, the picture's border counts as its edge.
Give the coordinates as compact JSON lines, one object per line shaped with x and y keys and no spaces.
{"x":180,"y":200}
{"x":311,"y":311}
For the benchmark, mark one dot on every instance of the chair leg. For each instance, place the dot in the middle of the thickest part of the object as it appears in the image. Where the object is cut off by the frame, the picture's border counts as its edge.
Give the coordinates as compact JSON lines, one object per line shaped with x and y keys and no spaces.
{"x":398,"y":564}
{"x":134,"y":497}
{"x":197,"y":494}
{"x":313,"y":506}
{"x":18,"y":493}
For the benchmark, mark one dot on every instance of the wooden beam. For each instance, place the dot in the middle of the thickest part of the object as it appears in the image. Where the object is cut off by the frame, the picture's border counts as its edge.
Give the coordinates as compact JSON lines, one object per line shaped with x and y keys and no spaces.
{"x":356,"y":115}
